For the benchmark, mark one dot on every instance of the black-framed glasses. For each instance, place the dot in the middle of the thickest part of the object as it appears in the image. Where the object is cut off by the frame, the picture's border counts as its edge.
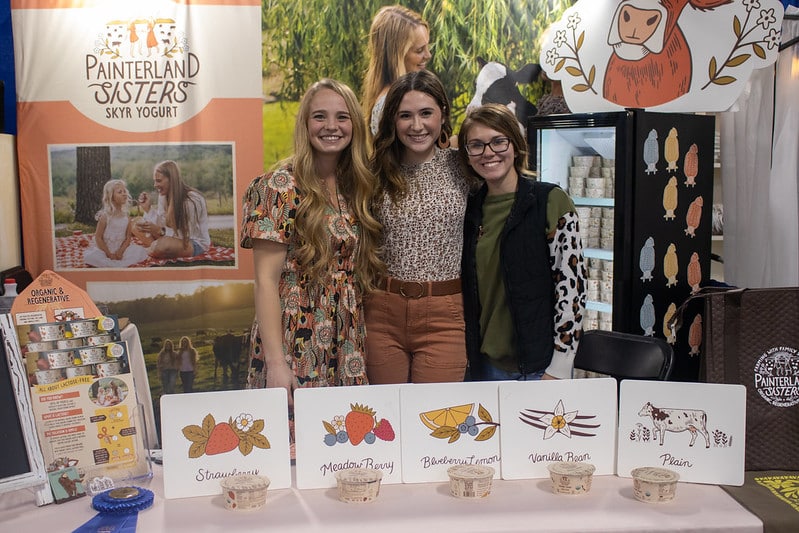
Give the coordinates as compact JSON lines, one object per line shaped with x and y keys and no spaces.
{"x":497,"y":145}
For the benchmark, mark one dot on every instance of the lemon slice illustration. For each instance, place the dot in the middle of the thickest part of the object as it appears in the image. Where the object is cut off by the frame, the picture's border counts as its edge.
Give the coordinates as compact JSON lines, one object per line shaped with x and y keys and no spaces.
{"x":450,"y":417}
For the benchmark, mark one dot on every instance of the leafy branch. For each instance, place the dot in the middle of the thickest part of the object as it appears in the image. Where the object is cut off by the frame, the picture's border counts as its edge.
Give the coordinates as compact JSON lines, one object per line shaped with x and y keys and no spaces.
{"x":578,"y":71}
{"x":737,"y":55}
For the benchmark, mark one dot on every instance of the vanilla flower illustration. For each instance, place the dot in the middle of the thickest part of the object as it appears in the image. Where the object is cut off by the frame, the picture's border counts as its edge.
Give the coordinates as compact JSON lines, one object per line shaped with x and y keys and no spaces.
{"x":558,"y":421}
{"x":244,"y":421}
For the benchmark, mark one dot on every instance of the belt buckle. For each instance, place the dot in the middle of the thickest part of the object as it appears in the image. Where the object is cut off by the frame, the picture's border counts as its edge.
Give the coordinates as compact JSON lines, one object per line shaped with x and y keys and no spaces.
{"x":415,"y":296}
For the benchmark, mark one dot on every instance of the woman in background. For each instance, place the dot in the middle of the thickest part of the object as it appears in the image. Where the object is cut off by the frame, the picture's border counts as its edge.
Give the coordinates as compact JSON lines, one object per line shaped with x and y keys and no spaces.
{"x":399,"y":42}
{"x":314,"y":246}
{"x":523,"y":268}
{"x":187,"y":364}
{"x":179,"y":223}
{"x":167,"y":367}
{"x":415,"y":323}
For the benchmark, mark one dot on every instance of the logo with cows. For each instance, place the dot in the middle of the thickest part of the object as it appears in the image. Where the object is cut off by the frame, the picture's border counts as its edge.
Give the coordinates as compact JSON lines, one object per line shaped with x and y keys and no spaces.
{"x":140,"y":68}
{"x":776,"y":376}
{"x":674,"y":420}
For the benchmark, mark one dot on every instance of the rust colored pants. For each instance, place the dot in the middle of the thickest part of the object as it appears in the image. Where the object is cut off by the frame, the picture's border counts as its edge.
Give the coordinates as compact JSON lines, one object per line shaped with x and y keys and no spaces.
{"x":416,"y":340}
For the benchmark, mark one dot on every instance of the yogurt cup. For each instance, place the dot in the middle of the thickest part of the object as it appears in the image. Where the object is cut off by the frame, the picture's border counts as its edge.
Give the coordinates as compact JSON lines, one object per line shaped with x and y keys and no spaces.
{"x":652,"y":484}
{"x":84,"y":370}
{"x":470,"y":481}
{"x":571,"y":477}
{"x":35,"y":347}
{"x":68,"y":343}
{"x":244,"y":492}
{"x":60,"y":358}
{"x":95,"y":340}
{"x":358,"y":485}
{"x":91,"y":354}
{"x":48,"y":332}
{"x":45,"y":377}
{"x":83,"y":328}
{"x":583,"y":160}
{"x":108,"y":368}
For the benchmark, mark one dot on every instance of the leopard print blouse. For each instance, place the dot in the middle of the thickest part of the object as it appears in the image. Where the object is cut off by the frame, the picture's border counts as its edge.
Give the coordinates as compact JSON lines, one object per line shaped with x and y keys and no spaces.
{"x":423,"y":233}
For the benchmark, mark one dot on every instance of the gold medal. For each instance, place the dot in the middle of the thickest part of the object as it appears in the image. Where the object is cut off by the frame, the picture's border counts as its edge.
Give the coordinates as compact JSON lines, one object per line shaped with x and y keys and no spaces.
{"x":123,"y":493}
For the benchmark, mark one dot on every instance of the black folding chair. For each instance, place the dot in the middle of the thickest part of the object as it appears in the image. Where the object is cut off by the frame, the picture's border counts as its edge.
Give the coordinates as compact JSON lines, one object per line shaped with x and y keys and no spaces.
{"x":624,"y":355}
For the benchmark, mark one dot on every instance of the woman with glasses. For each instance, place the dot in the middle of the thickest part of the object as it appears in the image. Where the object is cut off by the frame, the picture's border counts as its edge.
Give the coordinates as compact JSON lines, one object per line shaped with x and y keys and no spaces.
{"x":415,"y":322}
{"x":523,"y":273}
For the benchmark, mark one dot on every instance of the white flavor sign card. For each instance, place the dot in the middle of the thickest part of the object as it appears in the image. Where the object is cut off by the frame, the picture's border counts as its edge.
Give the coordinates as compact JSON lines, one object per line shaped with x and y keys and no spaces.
{"x":208,"y":436}
{"x":557,"y":420}
{"x":447,"y":424}
{"x":337,"y":428}
{"x":694,"y":429}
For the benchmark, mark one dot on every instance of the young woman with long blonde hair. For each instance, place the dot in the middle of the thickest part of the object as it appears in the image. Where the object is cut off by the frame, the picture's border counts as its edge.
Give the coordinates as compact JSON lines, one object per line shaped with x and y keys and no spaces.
{"x":399,"y":42}
{"x":314,"y":244}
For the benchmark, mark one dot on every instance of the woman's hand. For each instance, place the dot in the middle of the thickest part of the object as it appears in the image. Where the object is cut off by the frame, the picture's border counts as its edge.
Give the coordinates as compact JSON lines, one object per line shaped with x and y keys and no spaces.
{"x":279,"y":374}
{"x":145,"y":202}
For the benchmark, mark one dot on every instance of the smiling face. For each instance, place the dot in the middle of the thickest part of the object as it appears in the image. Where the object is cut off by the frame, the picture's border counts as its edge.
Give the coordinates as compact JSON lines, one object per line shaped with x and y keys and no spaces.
{"x":329,"y":123}
{"x":418,"y":123}
{"x":496,"y":169}
{"x":161,"y":183}
{"x":419,"y":53}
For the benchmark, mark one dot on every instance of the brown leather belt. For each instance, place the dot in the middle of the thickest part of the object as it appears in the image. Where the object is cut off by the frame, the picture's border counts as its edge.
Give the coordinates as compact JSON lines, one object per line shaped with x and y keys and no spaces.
{"x":418,"y":289}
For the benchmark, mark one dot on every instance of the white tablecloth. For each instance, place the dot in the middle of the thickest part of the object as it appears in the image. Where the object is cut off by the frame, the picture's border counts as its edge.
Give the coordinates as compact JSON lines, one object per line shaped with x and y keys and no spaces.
{"x":523,"y":505}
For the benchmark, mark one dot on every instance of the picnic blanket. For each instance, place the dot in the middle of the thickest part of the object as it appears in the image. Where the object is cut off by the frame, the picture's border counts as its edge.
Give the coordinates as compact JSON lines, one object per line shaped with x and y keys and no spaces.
{"x":69,"y":254}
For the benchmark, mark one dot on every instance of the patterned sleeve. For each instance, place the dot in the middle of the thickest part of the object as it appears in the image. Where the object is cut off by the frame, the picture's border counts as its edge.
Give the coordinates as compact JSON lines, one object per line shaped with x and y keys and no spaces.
{"x":269,"y":207}
{"x":568,"y":274}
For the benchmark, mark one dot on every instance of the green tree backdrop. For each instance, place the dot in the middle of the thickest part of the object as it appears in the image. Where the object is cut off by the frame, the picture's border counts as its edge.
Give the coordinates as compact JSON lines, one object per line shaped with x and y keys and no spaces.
{"x":308,"y":39}
{"x":304,"y":40}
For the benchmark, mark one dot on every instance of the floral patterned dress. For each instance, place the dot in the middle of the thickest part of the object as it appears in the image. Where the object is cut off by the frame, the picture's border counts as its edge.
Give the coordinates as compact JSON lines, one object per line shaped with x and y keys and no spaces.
{"x":323,"y":327}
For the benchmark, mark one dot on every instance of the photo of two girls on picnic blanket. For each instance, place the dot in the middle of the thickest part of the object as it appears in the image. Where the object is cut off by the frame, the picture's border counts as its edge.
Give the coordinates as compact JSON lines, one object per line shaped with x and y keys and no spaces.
{"x":143,"y":206}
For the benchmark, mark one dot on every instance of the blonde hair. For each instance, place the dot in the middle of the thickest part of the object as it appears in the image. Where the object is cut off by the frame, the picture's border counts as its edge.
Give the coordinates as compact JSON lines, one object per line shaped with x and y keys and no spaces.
{"x":109,"y":209}
{"x":355,"y":182}
{"x":390,"y":39}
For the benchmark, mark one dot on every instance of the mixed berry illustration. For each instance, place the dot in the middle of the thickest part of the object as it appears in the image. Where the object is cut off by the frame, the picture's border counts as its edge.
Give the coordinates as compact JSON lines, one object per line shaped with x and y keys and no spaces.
{"x":357,"y":426}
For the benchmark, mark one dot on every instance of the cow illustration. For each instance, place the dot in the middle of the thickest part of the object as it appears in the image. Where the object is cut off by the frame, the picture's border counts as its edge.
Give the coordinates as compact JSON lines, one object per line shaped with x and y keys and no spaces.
{"x":677,"y":420}
{"x":497,"y":83}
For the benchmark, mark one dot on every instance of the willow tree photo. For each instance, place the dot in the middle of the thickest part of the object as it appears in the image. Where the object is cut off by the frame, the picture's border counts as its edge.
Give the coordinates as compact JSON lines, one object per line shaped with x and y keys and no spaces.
{"x":304,"y":40}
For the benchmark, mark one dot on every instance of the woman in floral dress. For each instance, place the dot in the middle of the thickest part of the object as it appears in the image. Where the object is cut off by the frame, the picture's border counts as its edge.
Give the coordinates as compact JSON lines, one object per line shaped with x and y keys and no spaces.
{"x":313,"y":242}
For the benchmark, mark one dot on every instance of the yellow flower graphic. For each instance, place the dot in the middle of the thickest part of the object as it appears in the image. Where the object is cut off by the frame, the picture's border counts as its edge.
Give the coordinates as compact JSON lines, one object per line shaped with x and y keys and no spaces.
{"x":558,"y":421}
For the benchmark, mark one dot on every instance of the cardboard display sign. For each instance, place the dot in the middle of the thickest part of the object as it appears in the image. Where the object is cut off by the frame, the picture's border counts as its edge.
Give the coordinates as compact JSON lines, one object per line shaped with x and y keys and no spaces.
{"x":208,"y":436}
{"x":447,"y":424}
{"x":347,"y":427}
{"x":695,"y":429}
{"x":559,"y":420}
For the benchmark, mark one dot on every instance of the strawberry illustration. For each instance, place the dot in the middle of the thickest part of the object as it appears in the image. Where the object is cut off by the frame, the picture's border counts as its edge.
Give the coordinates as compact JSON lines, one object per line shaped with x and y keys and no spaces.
{"x":359,"y":422}
{"x":383,"y":430}
{"x":221,"y":440}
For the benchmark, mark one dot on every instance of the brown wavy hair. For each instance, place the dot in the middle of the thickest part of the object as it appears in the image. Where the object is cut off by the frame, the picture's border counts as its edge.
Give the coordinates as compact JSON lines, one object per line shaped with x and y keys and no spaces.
{"x":497,"y":117}
{"x":388,"y":149}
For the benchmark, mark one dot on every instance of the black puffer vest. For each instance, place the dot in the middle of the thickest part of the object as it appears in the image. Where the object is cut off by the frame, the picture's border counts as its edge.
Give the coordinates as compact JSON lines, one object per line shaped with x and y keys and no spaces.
{"x":526,"y":272}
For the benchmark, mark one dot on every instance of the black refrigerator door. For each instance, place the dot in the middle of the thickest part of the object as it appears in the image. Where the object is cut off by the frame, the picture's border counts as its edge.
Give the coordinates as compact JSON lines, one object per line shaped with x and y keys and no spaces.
{"x":671,"y":198}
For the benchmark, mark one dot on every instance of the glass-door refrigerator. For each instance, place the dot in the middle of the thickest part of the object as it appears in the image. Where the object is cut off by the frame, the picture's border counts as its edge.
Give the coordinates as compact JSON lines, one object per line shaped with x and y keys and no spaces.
{"x":642,"y":183}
